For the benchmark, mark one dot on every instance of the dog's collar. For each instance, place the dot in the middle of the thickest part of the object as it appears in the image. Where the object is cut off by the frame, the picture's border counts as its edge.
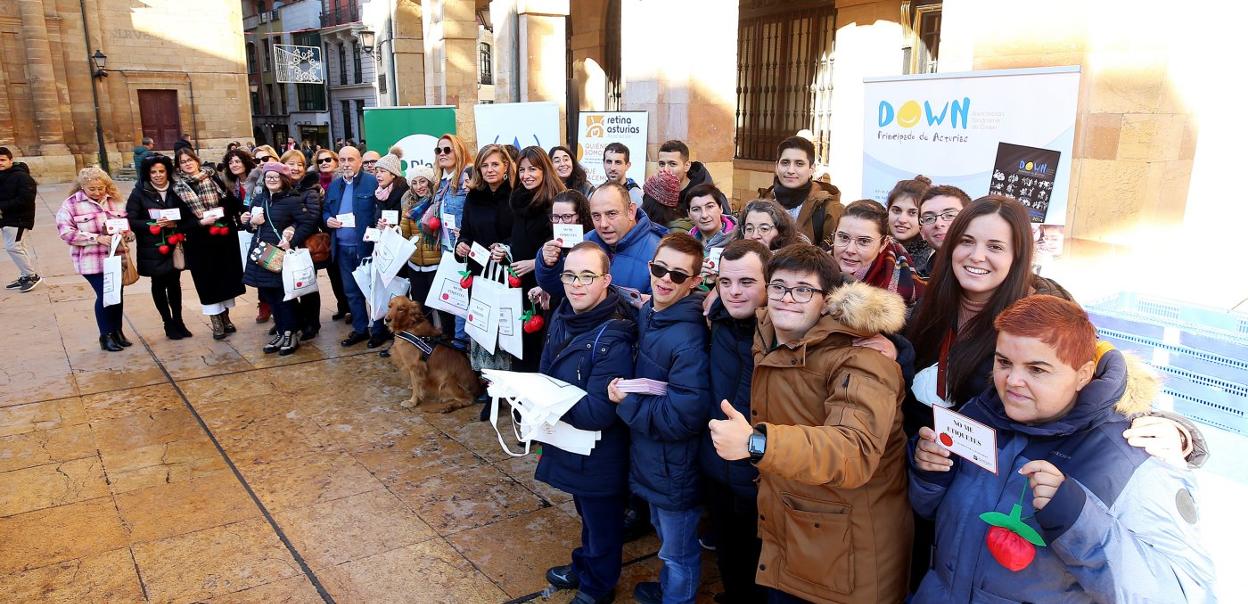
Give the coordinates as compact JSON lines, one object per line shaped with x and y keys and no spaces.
{"x":425,"y":344}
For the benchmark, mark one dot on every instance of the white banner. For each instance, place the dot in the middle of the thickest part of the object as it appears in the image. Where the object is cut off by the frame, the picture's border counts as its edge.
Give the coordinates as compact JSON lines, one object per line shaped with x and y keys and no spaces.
{"x":948,"y":127}
{"x":597,"y":129}
{"x":519,"y":124}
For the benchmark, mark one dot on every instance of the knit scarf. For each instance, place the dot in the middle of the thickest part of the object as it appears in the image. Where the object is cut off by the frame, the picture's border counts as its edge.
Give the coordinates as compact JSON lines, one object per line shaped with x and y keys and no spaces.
{"x":916,"y":247}
{"x":199,"y":191}
{"x":791,"y":198}
{"x":892,"y":271}
{"x":383,"y":193}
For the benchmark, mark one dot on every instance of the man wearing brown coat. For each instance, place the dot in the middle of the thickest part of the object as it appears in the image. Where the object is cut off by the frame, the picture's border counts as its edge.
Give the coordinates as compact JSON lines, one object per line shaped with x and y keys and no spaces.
{"x":814,"y":205}
{"x":825,"y":434}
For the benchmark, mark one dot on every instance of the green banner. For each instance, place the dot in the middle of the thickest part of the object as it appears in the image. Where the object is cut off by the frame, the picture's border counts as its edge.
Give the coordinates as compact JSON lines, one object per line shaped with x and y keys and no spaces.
{"x":414,"y":129}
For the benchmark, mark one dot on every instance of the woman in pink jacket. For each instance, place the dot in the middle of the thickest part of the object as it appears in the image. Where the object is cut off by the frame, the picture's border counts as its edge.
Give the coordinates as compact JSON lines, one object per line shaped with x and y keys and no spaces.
{"x":83,"y":223}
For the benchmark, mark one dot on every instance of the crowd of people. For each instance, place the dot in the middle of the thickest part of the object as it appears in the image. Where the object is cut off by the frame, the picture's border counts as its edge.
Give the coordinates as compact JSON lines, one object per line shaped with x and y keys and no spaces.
{"x":803,"y":344}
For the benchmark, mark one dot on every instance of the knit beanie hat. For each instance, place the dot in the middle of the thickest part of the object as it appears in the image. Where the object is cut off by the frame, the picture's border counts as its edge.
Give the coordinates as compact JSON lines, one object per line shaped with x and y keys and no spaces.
{"x":278,"y":167}
{"x":390,"y":163}
{"x":418,"y":171}
{"x":663,"y":187}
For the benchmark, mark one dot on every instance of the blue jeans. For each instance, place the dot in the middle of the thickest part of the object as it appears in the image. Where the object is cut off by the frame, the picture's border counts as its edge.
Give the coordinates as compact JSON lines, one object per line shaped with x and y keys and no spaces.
{"x":680,"y":553}
{"x":348,"y":259}
{"x":107,"y":318}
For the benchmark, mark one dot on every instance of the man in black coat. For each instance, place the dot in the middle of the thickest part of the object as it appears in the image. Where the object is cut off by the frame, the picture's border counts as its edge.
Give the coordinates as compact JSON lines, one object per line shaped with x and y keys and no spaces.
{"x":17,"y":215}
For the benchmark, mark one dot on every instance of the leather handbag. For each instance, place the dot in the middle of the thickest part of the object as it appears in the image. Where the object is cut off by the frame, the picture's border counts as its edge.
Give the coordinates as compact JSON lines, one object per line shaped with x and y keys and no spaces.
{"x":129,"y":272}
{"x":179,"y":257}
{"x":317,"y":244}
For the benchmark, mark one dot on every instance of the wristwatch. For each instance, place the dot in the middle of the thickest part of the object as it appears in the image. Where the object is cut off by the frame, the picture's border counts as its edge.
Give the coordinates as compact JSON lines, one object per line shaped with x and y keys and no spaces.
{"x":757,"y":446}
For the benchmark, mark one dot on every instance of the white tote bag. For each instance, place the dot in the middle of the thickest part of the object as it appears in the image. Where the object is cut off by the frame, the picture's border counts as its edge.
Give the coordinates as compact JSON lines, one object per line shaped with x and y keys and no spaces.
{"x":112,"y":275}
{"x":540,"y":401}
{"x":298,"y":274}
{"x":481,"y":324}
{"x":391,"y":253}
{"x":378,"y":299}
{"x":363,"y":275}
{"x":446,"y":294}
{"x":510,"y":307}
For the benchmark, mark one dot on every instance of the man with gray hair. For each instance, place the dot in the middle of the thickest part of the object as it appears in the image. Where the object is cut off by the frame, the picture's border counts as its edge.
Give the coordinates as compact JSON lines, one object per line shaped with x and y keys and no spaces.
{"x":351,"y":194}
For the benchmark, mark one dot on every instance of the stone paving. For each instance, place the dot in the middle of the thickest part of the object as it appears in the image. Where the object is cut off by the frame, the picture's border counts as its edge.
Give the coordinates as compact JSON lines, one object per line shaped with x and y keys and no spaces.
{"x":197,"y":470}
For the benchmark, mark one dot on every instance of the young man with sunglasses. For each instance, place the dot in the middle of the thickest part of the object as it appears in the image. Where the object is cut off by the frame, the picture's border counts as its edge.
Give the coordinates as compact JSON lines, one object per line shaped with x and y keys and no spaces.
{"x":666,"y":428}
{"x":590,"y":341}
{"x":825,"y":434}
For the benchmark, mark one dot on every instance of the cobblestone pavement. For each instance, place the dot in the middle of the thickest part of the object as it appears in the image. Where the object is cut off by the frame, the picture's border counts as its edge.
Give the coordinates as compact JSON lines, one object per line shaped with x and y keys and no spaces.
{"x":198,"y":470}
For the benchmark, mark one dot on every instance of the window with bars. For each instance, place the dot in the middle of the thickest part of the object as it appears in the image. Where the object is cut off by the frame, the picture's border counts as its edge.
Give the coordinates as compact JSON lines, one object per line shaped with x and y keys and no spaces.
{"x":357,"y":63}
{"x":342,"y":63}
{"x":784,"y":75}
{"x":485,"y":64}
{"x":347,"y":132}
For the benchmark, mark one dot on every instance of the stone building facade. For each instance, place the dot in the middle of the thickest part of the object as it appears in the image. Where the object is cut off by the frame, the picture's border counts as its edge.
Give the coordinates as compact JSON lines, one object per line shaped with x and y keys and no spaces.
{"x":172,"y":67}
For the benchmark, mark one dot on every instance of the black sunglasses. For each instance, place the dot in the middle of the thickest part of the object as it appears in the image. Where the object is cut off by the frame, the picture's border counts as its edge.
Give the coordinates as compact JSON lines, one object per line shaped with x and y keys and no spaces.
{"x":263,"y":158}
{"x":325,"y":160}
{"x":442,"y":150}
{"x":677,"y":277}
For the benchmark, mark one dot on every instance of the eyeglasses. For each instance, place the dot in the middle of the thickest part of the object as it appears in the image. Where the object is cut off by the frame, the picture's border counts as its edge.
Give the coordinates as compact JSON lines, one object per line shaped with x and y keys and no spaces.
{"x":263,"y":158}
{"x":370,"y":162}
{"x":563,"y":218}
{"x":325,"y":160}
{"x":843,"y":240}
{"x":659,"y":272}
{"x":800,"y":294}
{"x":761,"y":229}
{"x":946,"y":216}
{"x":442,"y":150}
{"x":570,"y":278}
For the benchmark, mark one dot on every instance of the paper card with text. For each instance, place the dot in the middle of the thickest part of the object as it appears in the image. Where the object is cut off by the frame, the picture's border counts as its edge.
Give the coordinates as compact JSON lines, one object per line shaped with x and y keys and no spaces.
{"x":171,"y":214}
{"x":347,"y":220}
{"x":448,"y":222}
{"x":634,"y":297}
{"x":372,"y":234}
{"x":569,"y":234}
{"x":215,"y":213}
{"x":972,"y":440}
{"x":712,"y":260}
{"x":257,"y":211}
{"x":479,"y":254}
{"x":391,"y":217}
{"x":117,"y":225}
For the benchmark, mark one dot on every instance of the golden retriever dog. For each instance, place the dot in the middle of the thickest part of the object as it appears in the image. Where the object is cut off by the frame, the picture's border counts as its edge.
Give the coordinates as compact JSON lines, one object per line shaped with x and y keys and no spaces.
{"x":445,"y":381}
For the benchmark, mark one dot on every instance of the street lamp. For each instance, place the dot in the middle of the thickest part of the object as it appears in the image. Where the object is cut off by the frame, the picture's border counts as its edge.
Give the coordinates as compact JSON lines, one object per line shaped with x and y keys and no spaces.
{"x":99,"y":61}
{"x":367,"y":39}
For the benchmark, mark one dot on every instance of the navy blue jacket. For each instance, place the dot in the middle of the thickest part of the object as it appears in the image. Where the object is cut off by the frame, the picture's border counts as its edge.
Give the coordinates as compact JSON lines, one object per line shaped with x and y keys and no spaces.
{"x":732,"y":367}
{"x":364,"y":206}
{"x":630,"y":258}
{"x":1120,"y":528}
{"x":589,"y":350}
{"x":285,"y":209}
{"x":666,"y":430}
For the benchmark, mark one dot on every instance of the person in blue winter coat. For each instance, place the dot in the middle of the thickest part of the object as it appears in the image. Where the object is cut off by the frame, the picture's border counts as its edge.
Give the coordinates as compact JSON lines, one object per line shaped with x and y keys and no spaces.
{"x":590,"y":341}
{"x":666,"y":429}
{"x":351,"y":193}
{"x":622,"y":230}
{"x":1116,"y":524}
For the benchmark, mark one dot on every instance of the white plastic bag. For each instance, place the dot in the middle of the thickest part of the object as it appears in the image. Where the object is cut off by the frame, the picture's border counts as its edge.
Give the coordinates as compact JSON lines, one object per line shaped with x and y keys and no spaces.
{"x":363,"y":275}
{"x":446,"y":294}
{"x":244,"y":246}
{"x":379,"y":295}
{"x":298,"y":274}
{"x":510,"y":307}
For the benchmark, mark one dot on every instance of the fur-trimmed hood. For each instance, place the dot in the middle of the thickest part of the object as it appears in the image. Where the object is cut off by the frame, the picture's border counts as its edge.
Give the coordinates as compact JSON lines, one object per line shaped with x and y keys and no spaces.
{"x":1142,"y":387}
{"x":867,"y":309}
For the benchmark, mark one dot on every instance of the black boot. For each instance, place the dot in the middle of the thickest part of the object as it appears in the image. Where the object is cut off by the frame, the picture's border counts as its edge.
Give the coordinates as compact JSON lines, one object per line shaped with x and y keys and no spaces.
{"x":181,"y":327}
{"x":108,"y":343}
{"x":172,"y":332}
{"x":121,"y":339}
{"x":229,"y":325}
{"x":218,"y":327}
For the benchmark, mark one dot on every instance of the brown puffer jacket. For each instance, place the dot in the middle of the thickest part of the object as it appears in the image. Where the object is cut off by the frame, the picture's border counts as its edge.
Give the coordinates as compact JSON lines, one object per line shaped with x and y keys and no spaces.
{"x":833,"y":516}
{"x":821,"y":194}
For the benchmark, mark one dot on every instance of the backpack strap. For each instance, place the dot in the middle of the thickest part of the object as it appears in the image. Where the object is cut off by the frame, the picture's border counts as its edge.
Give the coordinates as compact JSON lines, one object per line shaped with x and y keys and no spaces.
{"x":820,"y":214}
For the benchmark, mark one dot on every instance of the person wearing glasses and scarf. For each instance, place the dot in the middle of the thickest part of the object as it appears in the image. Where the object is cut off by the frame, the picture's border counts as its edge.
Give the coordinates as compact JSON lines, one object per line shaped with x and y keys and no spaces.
{"x":937,"y":209}
{"x":211,"y":241}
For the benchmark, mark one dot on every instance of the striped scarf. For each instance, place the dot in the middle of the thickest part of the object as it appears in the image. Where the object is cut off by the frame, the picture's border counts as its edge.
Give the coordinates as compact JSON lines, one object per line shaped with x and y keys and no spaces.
{"x":892,"y":270}
{"x":200,"y":191}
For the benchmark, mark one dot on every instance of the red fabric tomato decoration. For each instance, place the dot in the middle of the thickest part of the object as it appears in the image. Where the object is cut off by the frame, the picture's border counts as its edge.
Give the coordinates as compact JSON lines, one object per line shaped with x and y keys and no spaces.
{"x":434,"y":223}
{"x":1011,"y":541}
{"x":534,"y":324}
{"x":513,"y":281}
{"x":153,"y":229}
{"x":465,"y":281}
{"x":163,"y":249}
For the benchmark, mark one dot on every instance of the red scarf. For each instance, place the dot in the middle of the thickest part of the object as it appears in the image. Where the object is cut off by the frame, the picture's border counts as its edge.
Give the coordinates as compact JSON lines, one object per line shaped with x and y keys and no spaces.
{"x":893,"y":270}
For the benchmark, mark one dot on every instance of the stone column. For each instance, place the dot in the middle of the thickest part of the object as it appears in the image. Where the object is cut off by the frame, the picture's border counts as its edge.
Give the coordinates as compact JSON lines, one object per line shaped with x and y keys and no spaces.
{"x":506,"y":66}
{"x":409,"y":53}
{"x":679,"y":63}
{"x":42,"y":78}
{"x":543,"y":54}
{"x":451,"y":60}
